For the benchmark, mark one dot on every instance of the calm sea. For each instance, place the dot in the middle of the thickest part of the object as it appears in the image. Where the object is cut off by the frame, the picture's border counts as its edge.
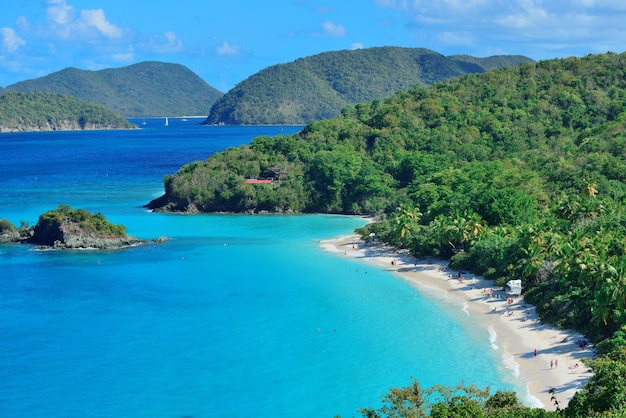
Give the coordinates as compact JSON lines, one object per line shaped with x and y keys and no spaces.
{"x":235,"y":316}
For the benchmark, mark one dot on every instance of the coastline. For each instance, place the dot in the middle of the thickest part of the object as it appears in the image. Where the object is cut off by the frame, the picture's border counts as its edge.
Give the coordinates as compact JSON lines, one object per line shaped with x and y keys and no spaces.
{"x":514,"y":329}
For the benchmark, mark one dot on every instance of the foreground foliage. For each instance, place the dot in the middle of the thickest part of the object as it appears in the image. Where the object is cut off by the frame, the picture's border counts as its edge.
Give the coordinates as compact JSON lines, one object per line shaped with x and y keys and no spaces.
{"x":518,"y":173}
{"x":440,"y":401}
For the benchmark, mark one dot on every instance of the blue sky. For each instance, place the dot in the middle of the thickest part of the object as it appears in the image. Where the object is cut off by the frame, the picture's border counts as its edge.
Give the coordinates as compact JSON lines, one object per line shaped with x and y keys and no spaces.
{"x":224,"y":42}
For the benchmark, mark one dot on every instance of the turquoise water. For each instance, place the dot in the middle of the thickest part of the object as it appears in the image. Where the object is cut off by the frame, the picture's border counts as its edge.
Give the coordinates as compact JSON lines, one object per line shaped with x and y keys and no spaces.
{"x":234,"y":316}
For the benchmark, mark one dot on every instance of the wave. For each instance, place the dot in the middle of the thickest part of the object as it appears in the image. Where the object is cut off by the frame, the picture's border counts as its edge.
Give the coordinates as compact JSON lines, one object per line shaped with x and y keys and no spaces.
{"x":493,"y":337}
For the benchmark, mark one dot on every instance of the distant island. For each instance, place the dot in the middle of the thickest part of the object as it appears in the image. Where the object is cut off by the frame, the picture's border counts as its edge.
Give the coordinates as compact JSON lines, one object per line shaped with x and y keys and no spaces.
{"x":146,"y":89}
{"x":67,"y":228}
{"x":34,"y":112}
{"x":320,"y":86}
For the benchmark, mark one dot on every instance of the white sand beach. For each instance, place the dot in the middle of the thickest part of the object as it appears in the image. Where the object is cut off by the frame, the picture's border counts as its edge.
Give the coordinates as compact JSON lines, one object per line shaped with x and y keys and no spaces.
{"x":512,"y":325}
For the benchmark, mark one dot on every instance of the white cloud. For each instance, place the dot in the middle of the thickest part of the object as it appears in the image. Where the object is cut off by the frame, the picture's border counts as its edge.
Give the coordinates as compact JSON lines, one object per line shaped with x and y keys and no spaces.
{"x":96,"y":18}
{"x":333,"y":29}
{"x":357,"y":45}
{"x":513,"y":25}
{"x":64,"y":23}
{"x":226,"y":49}
{"x":59,"y":12}
{"x":9,"y":40}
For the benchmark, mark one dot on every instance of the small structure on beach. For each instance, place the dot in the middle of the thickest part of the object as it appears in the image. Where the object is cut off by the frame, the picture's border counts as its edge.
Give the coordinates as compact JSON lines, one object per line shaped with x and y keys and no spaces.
{"x":515,"y":287}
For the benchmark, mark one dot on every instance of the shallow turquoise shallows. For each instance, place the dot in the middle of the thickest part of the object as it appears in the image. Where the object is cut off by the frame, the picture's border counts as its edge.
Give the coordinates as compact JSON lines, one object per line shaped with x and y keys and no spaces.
{"x":235,"y":316}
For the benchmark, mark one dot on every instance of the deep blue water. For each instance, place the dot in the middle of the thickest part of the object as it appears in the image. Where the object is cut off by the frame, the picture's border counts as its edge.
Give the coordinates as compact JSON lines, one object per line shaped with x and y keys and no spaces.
{"x":235,"y":316}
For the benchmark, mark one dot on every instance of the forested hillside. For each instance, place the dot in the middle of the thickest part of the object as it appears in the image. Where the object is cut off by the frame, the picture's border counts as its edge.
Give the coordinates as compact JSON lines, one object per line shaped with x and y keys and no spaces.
{"x":518,"y":173}
{"x":319,"y":86}
{"x":139,"y":90}
{"x":20,"y":112}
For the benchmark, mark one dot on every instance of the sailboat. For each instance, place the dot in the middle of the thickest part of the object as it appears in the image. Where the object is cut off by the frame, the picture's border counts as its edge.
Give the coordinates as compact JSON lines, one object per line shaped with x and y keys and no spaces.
{"x":144,"y":121}
{"x":167,"y":122}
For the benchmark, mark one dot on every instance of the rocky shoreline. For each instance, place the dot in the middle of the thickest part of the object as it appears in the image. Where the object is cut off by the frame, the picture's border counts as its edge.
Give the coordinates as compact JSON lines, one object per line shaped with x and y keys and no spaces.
{"x":60,"y":126}
{"x":68,"y":229}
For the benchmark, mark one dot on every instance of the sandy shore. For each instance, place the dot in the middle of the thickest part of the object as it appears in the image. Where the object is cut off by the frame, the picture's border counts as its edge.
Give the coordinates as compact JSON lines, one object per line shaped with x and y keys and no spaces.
{"x":512,"y":325}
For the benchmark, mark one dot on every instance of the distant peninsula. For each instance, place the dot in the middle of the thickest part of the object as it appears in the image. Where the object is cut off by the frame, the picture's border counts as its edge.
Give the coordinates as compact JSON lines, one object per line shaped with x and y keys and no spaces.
{"x":34,"y":112}
{"x":67,"y":228}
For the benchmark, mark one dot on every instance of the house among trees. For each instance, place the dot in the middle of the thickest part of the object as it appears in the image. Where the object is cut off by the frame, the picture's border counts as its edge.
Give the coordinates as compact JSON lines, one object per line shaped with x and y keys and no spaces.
{"x":260,"y":181}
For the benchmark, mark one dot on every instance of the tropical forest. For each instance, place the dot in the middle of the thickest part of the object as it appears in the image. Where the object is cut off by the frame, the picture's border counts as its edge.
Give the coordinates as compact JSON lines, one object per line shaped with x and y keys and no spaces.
{"x":515,"y":173}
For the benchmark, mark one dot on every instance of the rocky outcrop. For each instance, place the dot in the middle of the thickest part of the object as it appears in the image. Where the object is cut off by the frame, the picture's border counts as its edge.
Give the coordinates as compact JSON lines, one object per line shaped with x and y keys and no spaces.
{"x":9,"y":233}
{"x":66,"y":228}
{"x":167,"y":205}
{"x":69,"y":235}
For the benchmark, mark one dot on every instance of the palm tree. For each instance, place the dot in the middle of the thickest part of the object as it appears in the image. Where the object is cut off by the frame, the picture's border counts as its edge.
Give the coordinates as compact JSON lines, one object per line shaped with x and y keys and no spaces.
{"x":473,"y":227}
{"x":590,"y":190}
{"x":406,"y":218}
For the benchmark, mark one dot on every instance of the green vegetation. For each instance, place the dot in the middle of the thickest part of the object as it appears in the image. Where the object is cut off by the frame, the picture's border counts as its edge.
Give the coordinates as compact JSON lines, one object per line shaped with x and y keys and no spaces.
{"x":84,"y":220}
{"x":139,"y":90}
{"x":518,"y":173}
{"x":6,"y":226}
{"x":48,"y":111}
{"x":318,"y":87}
{"x":8,"y":232}
{"x":441,"y":401}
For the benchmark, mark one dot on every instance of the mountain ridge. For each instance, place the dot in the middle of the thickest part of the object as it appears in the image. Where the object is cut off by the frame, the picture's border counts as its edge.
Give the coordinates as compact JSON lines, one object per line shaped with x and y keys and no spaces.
{"x":145,"y":89}
{"x":319,"y":86}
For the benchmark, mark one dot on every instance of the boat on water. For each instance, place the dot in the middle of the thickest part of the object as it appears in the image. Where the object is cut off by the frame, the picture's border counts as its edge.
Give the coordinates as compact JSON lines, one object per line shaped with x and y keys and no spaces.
{"x":167,"y":121}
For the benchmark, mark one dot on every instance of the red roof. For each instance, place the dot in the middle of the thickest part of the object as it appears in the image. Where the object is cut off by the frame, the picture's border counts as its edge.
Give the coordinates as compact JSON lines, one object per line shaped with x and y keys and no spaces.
{"x":258,"y":181}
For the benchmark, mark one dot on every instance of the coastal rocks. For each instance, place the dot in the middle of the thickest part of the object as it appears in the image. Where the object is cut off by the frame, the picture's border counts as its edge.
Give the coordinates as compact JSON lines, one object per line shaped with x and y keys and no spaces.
{"x":68,"y":235}
{"x":62,"y":125}
{"x":66,"y":228}
{"x":166,"y":204}
{"x":9,"y":233}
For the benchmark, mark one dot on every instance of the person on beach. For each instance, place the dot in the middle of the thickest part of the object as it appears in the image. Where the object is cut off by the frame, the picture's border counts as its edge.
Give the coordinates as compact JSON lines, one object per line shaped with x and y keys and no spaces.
{"x":535,"y":352}
{"x":551,"y":363}
{"x":556,"y":364}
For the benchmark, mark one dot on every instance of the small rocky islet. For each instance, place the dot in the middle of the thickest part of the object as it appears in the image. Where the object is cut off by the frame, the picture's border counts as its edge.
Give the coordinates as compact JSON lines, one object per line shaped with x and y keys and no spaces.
{"x":67,"y":228}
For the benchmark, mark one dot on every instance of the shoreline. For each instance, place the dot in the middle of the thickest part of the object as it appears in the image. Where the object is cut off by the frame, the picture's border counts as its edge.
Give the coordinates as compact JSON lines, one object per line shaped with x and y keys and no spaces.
{"x":539,"y":356}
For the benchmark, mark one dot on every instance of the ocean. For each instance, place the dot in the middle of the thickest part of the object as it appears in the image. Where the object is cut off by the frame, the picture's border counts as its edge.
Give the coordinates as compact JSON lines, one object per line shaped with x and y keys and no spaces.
{"x":234,"y":316}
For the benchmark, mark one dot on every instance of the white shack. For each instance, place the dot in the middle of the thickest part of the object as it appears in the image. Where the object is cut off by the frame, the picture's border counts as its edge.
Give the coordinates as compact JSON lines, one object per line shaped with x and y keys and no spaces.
{"x":515,"y":287}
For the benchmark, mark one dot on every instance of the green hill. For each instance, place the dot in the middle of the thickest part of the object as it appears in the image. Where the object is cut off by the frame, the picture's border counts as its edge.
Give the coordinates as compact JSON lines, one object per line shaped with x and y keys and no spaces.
{"x":24,"y":112}
{"x":318,"y":87}
{"x":517,"y":173}
{"x":139,"y":90}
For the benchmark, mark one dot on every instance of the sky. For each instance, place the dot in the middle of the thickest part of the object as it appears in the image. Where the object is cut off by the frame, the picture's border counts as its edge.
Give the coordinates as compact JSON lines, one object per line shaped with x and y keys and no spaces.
{"x":226,"y":41}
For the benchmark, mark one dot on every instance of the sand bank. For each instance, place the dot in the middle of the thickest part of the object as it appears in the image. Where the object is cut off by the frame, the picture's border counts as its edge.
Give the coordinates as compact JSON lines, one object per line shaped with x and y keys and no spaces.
{"x":540,"y":356}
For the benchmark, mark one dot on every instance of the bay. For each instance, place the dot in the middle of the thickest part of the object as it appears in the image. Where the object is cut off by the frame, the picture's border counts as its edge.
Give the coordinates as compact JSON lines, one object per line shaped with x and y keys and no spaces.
{"x":235,"y":316}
